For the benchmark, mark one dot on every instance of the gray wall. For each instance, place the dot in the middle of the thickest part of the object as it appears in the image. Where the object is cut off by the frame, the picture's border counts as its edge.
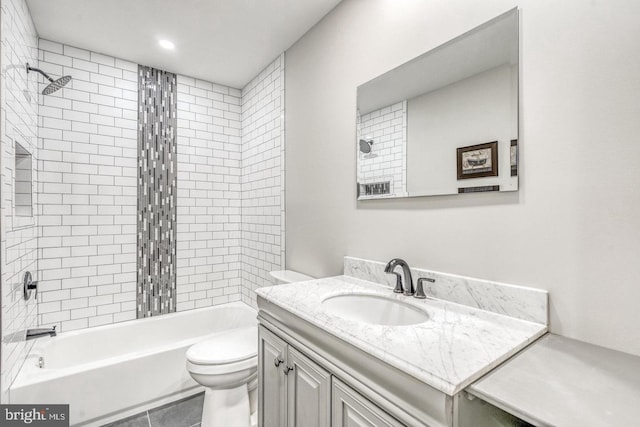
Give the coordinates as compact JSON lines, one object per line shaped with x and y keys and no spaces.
{"x":438,"y":123}
{"x":574,"y":226}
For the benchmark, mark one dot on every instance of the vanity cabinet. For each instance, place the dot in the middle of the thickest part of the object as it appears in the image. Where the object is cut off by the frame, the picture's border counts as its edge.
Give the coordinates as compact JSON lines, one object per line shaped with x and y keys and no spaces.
{"x":272,"y":402}
{"x":308,"y":377}
{"x":293,"y":389}
{"x":350,"y":409}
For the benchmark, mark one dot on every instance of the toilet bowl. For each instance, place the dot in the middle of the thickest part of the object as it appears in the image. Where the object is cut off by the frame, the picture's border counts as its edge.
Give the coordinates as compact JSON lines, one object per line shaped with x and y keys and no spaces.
{"x":226,"y":365}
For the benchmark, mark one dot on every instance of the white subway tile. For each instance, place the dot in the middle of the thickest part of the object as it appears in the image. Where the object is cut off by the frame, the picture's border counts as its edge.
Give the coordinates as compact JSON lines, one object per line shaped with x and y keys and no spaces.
{"x":126,"y":65}
{"x":76,"y":53}
{"x":49,"y":46}
{"x":82,"y":64}
{"x":102,"y":59}
{"x":110,"y":71}
{"x":102,"y":172}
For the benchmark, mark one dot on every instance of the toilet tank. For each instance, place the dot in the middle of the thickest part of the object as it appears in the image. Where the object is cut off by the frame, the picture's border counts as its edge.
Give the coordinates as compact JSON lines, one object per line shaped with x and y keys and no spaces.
{"x":288,"y":276}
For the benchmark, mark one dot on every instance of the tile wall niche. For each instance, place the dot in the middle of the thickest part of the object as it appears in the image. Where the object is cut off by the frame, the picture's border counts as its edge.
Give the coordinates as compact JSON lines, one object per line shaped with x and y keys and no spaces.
{"x":18,"y":234}
{"x":387,"y":127}
{"x":229,"y":231}
{"x":262,"y":178}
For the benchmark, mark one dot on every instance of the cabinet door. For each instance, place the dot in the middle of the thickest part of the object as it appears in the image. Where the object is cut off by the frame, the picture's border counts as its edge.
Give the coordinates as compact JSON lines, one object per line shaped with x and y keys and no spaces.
{"x":350,"y":409}
{"x":272,"y":386}
{"x":309,"y":392}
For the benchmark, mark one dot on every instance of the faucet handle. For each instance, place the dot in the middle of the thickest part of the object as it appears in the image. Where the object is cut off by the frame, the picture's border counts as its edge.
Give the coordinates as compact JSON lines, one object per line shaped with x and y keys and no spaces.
{"x":28,"y":284}
{"x":419,"y":288}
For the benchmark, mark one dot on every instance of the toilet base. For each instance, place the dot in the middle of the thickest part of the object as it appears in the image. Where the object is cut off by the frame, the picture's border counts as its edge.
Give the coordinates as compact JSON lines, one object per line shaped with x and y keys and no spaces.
{"x":226,"y":408}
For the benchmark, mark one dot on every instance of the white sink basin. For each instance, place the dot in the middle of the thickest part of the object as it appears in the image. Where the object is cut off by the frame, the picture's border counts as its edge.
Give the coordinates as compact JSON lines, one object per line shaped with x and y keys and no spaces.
{"x":374,"y":309}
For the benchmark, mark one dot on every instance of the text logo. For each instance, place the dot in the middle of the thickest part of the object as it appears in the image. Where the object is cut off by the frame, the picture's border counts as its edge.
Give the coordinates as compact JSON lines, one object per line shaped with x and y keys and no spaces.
{"x":34,"y":415}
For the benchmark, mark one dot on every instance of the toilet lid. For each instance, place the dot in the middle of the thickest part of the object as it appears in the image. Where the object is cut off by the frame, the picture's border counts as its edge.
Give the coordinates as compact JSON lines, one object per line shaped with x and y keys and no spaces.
{"x":226,"y":347}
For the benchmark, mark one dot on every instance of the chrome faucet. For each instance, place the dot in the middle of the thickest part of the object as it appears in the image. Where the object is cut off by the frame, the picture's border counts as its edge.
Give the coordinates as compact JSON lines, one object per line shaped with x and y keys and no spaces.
{"x":38,"y":333}
{"x":407,"y":289}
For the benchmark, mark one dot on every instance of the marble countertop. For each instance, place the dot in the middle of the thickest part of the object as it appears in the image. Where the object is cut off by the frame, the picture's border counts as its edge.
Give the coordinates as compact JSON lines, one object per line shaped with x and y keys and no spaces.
{"x":455,"y":347}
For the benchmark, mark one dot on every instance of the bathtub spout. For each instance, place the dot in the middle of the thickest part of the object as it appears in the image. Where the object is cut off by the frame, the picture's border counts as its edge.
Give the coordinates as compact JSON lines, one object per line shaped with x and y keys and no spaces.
{"x":37,"y":333}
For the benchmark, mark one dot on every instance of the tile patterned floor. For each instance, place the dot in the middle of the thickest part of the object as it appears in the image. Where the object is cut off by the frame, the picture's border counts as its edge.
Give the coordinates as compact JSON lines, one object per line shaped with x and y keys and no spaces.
{"x":183,"y":413}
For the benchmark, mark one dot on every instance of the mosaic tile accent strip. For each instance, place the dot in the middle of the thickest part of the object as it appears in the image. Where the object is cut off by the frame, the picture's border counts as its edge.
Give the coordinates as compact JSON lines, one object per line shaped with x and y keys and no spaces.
{"x":157,"y":195}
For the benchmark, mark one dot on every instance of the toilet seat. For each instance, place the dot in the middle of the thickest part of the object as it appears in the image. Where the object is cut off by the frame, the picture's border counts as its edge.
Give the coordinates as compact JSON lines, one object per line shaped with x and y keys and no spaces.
{"x":227,"y":368}
{"x":226,"y":352}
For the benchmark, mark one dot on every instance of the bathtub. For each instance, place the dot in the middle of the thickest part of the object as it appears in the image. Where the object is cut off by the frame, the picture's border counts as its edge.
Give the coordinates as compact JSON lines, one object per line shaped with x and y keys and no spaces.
{"x":110,"y":372}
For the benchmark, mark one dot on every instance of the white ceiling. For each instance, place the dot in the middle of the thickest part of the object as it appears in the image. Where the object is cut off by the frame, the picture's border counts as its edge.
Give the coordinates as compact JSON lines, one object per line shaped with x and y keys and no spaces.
{"x":223,"y":41}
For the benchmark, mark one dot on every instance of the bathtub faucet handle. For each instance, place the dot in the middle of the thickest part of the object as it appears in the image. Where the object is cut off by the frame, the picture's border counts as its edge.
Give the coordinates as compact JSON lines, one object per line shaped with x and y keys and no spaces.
{"x":278,"y":360}
{"x":287,"y":369}
{"x":28,"y":285}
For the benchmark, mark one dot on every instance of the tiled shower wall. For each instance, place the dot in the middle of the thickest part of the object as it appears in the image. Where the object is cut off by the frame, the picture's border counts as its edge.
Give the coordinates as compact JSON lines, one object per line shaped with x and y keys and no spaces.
{"x":387,"y":127}
{"x":209,"y":157}
{"x":262,"y":178}
{"x":18,"y":234}
{"x":88,"y":189}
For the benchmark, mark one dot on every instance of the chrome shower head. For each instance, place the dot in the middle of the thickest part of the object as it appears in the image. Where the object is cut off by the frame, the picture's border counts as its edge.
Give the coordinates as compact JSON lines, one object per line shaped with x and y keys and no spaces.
{"x":366,"y":145}
{"x":54,"y":85}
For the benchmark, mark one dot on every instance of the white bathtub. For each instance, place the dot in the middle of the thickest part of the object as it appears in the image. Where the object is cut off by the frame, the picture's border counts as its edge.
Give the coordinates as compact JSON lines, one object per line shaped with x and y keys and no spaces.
{"x":110,"y":372}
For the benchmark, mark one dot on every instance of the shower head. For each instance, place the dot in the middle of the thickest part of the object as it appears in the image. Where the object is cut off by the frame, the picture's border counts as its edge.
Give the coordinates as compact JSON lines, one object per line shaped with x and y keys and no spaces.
{"x":366,"y":145}
{"x":54,"y":85}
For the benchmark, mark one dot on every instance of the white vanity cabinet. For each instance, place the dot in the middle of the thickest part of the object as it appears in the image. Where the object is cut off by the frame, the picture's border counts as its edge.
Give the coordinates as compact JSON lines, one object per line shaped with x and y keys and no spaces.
{"x":293,"y":390}
{"x":350,"y":409}
{"x":308,"y":377}
{"x":272,"y":383}
{"x":383,"y":371}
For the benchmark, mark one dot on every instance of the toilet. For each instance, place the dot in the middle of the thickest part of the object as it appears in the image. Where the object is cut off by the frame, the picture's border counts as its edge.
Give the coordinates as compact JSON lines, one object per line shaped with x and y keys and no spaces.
{"x":226,"y":365}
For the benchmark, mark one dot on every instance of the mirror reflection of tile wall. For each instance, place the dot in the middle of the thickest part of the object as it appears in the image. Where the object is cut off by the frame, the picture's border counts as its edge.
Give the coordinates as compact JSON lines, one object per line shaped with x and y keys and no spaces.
{"x":386,"y":128}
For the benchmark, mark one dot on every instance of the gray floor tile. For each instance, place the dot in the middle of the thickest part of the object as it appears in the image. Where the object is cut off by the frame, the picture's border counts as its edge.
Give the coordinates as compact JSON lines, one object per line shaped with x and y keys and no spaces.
{"x":184,"y":413}
{"x":140,"y":420}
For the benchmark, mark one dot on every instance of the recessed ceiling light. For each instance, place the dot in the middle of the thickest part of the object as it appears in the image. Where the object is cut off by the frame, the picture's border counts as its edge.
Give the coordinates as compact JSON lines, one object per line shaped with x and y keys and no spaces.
{"x":166,"y":44}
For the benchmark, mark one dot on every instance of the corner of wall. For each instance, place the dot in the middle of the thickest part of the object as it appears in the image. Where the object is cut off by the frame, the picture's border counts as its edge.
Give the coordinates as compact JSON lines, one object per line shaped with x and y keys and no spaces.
{"x":263,"y":190}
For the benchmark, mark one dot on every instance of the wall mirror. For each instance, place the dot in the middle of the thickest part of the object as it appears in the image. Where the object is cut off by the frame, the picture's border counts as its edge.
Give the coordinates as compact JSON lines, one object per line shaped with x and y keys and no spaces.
{"x":445,"y":122}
